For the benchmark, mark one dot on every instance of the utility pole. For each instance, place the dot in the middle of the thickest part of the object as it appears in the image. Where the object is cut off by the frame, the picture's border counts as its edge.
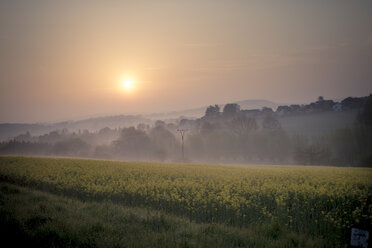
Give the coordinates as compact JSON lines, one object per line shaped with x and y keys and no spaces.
{"x":182,"y":132}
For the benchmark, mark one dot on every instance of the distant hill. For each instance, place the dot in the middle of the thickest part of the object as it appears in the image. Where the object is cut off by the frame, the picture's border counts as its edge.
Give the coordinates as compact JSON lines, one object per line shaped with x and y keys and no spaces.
{"x":257,"y":104}
{"x":10,"y":130}
{"x":199,"y":112}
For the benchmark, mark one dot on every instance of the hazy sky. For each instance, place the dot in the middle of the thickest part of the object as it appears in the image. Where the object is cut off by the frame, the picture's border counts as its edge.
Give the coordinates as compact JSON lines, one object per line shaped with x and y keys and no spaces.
{"x":67,"y":59}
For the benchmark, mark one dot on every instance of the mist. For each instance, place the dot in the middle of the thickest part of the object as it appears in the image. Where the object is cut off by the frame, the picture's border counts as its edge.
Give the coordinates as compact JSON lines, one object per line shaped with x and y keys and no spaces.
{"x":323,"y":132}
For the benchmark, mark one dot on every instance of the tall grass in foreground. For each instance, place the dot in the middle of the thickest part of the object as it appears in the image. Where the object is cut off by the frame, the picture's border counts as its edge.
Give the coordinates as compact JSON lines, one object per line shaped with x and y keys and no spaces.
{"x":30,"y":218}
{"x":322,"y":201}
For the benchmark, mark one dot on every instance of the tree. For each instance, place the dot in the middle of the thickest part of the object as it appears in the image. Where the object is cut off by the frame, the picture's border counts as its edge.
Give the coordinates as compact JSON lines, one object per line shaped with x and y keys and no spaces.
{"x":72,"y":147}
{"x":208,"y":128}
{"x":231,"y":109}
{"x":352,"y":103}
{"x":24,"y":137}
{"x":344,"y":143}
{"x":212,"y":111}
{"x":266,"y":110}
{"x":160,"y":123}
{"x":143,"y":126}
{"x":365,"y":115}
{"x":133,"y":143}
{"x":311,"y":153}
{"x":51,"y":137}
{"x":163,"y":142}
{"x":270,"y":122}
{"x":195,"y":146}
{"x":243,"y":125}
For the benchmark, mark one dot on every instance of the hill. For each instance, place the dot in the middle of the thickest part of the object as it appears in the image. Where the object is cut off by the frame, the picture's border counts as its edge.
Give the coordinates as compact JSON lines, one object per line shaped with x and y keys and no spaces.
{"x":198,"y":112}
{"x":10,"y":130}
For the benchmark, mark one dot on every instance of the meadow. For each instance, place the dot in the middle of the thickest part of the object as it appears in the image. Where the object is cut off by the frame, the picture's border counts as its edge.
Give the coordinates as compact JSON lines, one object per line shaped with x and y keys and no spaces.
{"x":279,"y":204}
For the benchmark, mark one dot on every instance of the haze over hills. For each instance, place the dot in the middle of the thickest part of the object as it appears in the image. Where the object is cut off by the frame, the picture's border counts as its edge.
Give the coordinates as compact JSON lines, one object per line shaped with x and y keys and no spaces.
{"x":10,"y":130}
{"x":314,"y":124}
{"x":198,"y":112}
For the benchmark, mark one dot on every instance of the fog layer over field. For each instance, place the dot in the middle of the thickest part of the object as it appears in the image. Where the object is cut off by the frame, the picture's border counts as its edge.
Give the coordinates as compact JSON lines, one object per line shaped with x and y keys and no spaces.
{"x":321,"y":133}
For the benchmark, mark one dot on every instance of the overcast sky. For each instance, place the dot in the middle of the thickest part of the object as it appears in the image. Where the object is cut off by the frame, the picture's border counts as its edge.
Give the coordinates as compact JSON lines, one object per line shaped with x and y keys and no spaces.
{"x":68,"y":59}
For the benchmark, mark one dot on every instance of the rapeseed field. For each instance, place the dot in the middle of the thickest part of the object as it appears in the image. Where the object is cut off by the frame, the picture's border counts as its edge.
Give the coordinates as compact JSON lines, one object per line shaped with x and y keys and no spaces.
{"x":317,"y":200}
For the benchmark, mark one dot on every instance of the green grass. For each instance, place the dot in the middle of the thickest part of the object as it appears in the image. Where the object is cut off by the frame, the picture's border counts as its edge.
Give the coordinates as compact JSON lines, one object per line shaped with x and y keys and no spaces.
{"x":31,"y":218}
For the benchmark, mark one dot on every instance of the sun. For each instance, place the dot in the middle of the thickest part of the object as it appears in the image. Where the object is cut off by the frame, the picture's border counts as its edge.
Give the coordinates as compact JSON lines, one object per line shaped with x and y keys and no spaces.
{"x":127,"y":84}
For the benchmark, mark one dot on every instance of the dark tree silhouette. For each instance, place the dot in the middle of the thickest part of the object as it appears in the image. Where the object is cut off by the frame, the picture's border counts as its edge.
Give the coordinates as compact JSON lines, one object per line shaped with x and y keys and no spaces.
{"x":365,"y":115}
{"x":163,"y":141}
{"x":270,"y":122}
{"x":231,"y":109}
{"x":133,"y":143}
{"x":243,"y":125}
{"x":212,"y":111}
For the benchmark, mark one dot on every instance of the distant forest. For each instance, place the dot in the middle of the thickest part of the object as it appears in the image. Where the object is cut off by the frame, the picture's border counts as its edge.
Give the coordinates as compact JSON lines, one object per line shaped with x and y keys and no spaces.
{"x":228,"y":135}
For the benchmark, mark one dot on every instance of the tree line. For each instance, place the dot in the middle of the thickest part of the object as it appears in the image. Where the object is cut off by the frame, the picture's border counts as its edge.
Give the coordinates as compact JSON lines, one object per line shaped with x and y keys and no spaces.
{"x":230,"y":135}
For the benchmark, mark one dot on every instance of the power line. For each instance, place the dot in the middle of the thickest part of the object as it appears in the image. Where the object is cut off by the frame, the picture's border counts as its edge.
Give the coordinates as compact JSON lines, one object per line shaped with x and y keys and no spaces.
{"x":182,"y":132}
